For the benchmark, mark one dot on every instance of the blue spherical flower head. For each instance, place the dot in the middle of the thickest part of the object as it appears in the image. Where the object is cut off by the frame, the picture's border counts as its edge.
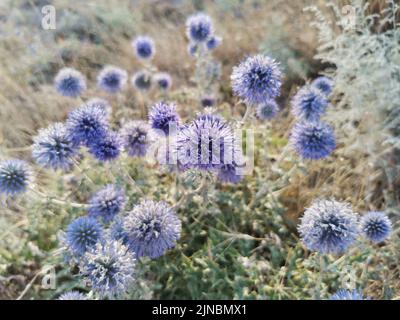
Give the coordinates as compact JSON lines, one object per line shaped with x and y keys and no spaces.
{"x":102,"y":104}
{"x":208,"y":101}
{"x":192,"y":48}
{"x":313,"y":140}
{"x":72,"y":295}
{"x":107,"y":148}
{"x":329,"y":226}
{"x":267,"y":110}
{"x":206,"y":144}
{"x":87,"y":124}
{"x":82,"y":234}
{"x":15,"y":176}
{"x":309,"y":104}
{"x":107,"y":203}
{"x":109,"y":269}
{"x":112,"y":79}
{"x":163,"y":80}
{"x":153,"y":228}
{"x":53,"y":148}
{"x":136,"y":138}
{"x":163,"y":116}
{"x":213,"y":42}
{"x":117,"y":232}
{"x":324,"y":84}
{"x":376,"y":226}
{"x":69,"y":82}
{"x":142,"y":81}
{"x":343,"y":294}
{"x":257,"y":79}
{"x":199,"y":27}
{"x":144,"y":47}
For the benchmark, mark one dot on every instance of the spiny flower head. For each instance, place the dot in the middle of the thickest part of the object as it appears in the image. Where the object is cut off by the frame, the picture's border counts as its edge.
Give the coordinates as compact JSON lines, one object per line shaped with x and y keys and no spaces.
{"x":213,"y":42}
{"x":87,"y":123}
{"x":136,"y":138}
{"x":83,"y":233}
{"x":109,"y":269}
{"x":117,"y":232}
{"x":69,"y":82}
{"x":324,"y":84}
{"x":313,"y":140}
{"x":309,"y":104}
{"x":153,"y":228}
{"x":163,"y":116}
{"x":72,"y":295}
{"x":107,"y":203}
{"x":163,"y":80}
{"x":344,"y":294}
{"x":141,"y":80}
{"x":257,"y":79}
{"x":267,"y":110}
{"x":100,"y":103}
{"x":143,"y":47}
{"x":15,"y":176}
{"x":52,"y":148}
{"x":199,"y":27}
{"x":206,"y":143}
{"x":376,"y":226}
{"x":107,"y":148}
{"x":329,"y":226}
{"x":112,"y":79}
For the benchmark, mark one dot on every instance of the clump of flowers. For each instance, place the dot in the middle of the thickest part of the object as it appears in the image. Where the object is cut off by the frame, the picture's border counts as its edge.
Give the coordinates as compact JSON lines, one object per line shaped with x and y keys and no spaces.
{"x":107,"y":203}
{"x":329,"y":226}
{"x":309,"y":104}
{"x":69,"y":82}
{"x":136,"y":138}
{"x":143,"y":47}
{"x":376,"y":226}
{"x":163,"y":116}
{"x":53,"y":148}
{"x":15,"y":176}
{"x":112,"y":79}
{"x":267,"y":110}
{"x":152,"y":228}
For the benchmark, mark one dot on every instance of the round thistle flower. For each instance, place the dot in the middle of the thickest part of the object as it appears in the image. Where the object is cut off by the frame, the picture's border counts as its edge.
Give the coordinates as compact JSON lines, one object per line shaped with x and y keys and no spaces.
{"x":69,"y":82}
{"x":141,"y":81}
{"x":136,"y":138}
{"x":87,"y":124}
{"x":82,"y":234}
{"x":329,"y":226}
{"x":163,"y":116}
{"x":117,"y":232}
{"x":112,"y":79}
{"x":343,"y":294}
{"x":107,"y":148}
{"x":72,"y":295}
{"x":199,"y":27}
{"x":267,"y":110}
{"x":143,"y":47}
{"x":15,"y":176}
{"x":153,"y":228}
{"x":163,"y":80}
{"x":101,"y":104}
{"x":107,"y":203}
{"x":52,"y":148}
{"x":257,"y":79}
{"x":207,"y":101}
{"x":309,"y":104}
{"x":376,"y":226}
{"x":213,"y":42}
{"x":313,"y":140}
{"x":109,"y":269}
{"x":206,"y":143}
{"x":324,"y":84}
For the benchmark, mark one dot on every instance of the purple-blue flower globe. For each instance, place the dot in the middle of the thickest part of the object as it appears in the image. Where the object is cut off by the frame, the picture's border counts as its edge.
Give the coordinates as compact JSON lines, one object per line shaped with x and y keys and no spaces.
{"x":343,"y":294}
{"x":69,"y":82}
{"x":309,"y":104}
{"x":199,"y":27}
{"x":107,"y":148}
{"x":100,"y":103}
{"x":107,"y":203}
{"x":15,"y":176}
{"x":376,"y":226}
{"x":53,"y":148}
{"x":163,"y":117}
{"x":112,"y":79}
{"x":163,"y":80}
{"x":143,"y":47}
{"x":267,"y":110}
{"x":324,"y":84}
{"x":142,"y":81}
{"x":257,"y":79}
{"x":153,"y":228}
{"x":208,"y":101}
{"x":213,"y":42}
{"x":136,"y":138}
{"x":313,"y":141}
{"x":82,"y":234}
{"x":329,"y":226}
